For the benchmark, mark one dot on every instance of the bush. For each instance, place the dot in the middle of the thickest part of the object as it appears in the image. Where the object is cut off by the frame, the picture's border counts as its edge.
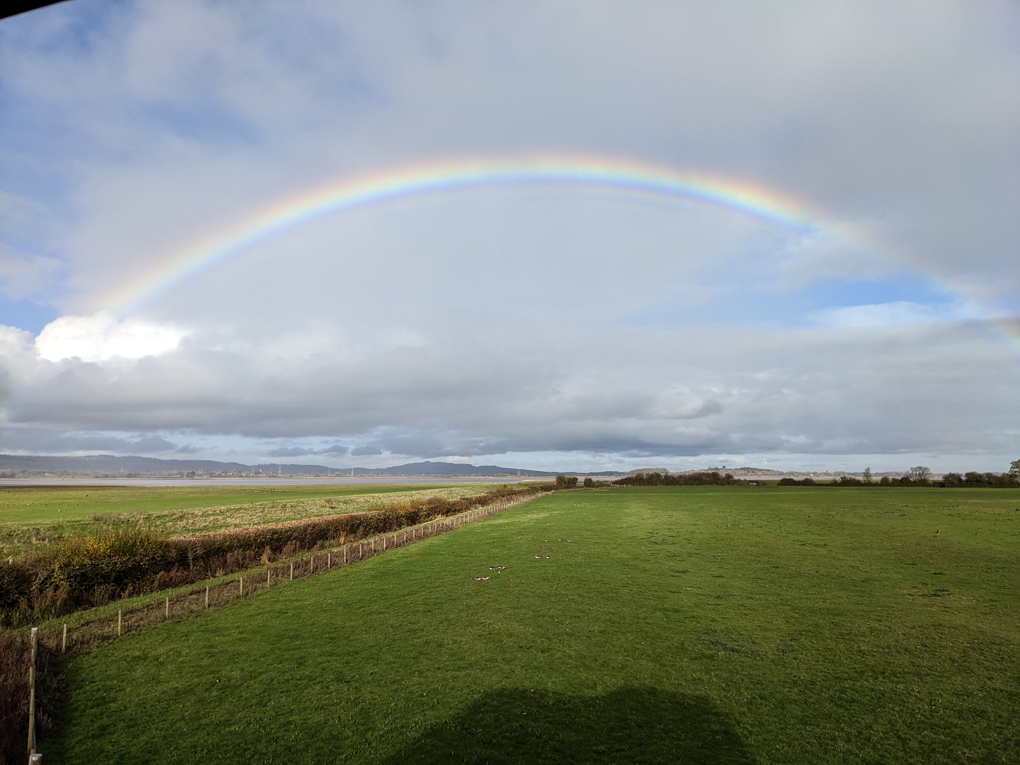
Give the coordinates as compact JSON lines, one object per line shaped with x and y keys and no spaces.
{"x":566,"y":482}
{"x":991,"y":480}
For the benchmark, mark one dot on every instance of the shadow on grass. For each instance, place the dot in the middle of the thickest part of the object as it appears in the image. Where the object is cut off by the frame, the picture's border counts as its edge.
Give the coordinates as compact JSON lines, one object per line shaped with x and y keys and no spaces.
{"x":630,"y":725}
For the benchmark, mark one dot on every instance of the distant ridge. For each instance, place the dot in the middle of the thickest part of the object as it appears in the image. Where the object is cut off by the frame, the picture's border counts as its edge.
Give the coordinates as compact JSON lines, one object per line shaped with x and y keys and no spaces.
{"x":109,"y":463}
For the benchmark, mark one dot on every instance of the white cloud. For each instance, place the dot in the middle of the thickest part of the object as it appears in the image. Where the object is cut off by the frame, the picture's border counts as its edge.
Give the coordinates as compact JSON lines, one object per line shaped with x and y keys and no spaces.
{"x":894,"y":314}
{"x":101,"y":337}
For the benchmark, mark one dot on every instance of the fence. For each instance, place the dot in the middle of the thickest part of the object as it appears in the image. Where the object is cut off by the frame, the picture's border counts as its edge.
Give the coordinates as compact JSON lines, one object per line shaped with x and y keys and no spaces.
{"x":95,"y":633}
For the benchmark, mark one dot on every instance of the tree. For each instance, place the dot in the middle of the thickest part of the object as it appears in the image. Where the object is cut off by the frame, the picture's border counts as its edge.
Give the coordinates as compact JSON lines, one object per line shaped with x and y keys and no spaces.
{"x":920,"y":474}
{"x":867,"y":475}
{"x":1014,"y":469}
{"x":566,"y":482}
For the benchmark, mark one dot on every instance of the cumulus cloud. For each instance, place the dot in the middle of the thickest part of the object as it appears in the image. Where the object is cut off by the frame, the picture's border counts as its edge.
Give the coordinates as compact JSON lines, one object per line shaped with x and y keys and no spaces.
{"x":101,"y":337}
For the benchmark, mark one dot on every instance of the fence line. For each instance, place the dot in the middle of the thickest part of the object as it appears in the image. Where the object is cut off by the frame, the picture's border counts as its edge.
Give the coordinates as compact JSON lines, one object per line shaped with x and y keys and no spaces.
{"x":101,"y":631}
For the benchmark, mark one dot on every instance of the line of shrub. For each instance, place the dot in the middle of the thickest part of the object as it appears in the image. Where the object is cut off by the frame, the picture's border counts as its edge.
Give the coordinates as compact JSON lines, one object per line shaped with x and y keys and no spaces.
{"x":84,"y":572}
{"x":977,"y":480}
{"x":948,"y":481}
{"x":680,"y":479}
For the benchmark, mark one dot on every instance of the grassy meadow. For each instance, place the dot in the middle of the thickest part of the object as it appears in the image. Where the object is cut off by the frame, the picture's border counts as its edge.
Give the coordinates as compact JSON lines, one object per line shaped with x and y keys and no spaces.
{"x":30,"y":516}
{"x":716,"y":624}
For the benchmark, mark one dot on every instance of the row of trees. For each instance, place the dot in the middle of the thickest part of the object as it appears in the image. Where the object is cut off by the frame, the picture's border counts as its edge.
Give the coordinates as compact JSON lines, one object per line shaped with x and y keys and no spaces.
{"x":921,"y":475}
{"x":679,"y":479}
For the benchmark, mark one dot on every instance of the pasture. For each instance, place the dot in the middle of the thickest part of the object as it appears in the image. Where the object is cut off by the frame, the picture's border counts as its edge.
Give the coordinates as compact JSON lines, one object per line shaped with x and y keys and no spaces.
{"x":736,"y":624}
{"x":33,"y":516}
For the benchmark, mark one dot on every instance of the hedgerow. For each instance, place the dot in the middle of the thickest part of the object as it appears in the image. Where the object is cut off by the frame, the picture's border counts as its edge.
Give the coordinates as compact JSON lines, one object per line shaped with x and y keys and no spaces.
{"x":679,"y":479}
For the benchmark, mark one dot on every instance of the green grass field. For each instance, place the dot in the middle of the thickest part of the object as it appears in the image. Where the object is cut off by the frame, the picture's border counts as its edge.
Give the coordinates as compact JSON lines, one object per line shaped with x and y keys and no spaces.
{"x":743,"y":625}
{"x":33,"y":516}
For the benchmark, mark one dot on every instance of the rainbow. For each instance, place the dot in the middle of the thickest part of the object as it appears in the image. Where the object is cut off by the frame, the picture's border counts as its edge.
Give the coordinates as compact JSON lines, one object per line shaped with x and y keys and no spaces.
{"x":459,"y":175}
{"x":619,"y":176}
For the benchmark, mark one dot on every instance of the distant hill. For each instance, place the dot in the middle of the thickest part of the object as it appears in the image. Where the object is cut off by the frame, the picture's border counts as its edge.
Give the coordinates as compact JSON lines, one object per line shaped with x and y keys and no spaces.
{"x":109,"y":463}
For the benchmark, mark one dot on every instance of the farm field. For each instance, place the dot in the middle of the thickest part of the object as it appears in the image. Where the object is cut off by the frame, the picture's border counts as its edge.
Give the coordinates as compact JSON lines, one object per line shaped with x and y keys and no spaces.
{"x":716,"y":624}
{"x":33,"y":516}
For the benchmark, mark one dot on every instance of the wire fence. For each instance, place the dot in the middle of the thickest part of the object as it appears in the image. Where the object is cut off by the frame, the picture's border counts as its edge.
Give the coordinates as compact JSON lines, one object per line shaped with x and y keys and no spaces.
{"x":92,"y":633}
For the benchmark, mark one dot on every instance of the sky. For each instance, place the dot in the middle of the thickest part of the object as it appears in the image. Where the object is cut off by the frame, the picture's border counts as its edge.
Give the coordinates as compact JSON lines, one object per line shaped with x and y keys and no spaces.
{"x":550,"y":235}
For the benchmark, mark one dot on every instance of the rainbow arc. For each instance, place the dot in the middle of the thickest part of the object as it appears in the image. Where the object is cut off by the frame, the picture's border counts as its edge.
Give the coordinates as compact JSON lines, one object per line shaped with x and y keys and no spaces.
{"x":459,"y":175}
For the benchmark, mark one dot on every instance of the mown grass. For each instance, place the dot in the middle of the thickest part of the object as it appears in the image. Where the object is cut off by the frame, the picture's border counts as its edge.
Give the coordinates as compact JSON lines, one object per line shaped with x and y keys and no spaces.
{"x":34,"y":517}
{"x":696,"y":624}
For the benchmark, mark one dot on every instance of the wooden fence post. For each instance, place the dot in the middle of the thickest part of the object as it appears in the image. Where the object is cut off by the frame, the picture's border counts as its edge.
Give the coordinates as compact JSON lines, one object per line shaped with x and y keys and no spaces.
{"x":120,"y":613}
{"x":63,"y":643}
{"x":167,"y":606}
{"x":31,"y":694}
{"x":207,"y":596}
{"x":329,"y":561}
{"x":292,"y":571}
{"x":269,"y":573}
{"x":240,"y":582}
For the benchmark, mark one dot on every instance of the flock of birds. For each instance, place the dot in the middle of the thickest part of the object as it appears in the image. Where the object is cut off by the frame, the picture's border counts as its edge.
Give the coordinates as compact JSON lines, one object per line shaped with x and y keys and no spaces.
{"x":497,"y":569}
{"x":501,"y":569}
